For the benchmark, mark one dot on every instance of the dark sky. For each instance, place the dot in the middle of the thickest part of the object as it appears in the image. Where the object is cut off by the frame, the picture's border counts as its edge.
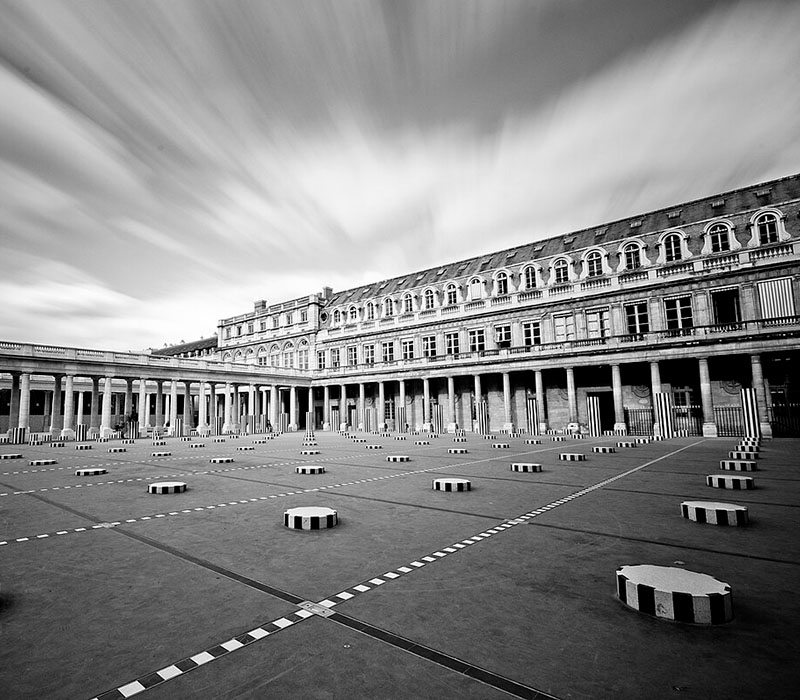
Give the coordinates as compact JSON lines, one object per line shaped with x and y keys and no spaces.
{"x":163,"y":164}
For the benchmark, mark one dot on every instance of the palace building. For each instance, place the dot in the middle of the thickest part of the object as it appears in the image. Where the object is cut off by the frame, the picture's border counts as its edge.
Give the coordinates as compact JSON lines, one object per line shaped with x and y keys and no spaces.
{"x":678,"y":321}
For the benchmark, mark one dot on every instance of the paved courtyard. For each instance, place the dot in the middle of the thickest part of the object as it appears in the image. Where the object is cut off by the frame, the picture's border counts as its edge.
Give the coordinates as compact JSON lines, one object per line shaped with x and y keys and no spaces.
{"x":507,"y":590}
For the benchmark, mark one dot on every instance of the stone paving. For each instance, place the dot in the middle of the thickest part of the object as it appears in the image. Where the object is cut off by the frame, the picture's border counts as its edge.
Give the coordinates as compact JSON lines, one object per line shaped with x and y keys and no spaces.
{"x":506,"y":590}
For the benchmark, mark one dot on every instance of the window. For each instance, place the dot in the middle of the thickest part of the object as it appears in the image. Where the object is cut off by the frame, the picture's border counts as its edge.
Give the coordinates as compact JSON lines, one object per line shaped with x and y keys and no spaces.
{"x":369,"y":354}
{"x":475,"y":289}
{"x":388,"y":307}
{"x":353,"y":314}
{"x":238,"y":330}
{"x":451,"y":343}
{"x":767,"y":227}
{"x":289,"y":319}
{"x":407,"y":349}
{"x":594,"y":264}
{"x":250,"y":327}
{"x":477,"y":340}
{"x":725,"y":306}
{"x":388,"y":409}
{"x":451,"y":294}
{"x":387,"y":351}
{"x":429,"y":298}
{"x":337,"y":317}
{"x":719,"y":237}
{"x":275,"y":356}
{"x":335,"y":357}
{"x":678,"y":313}
{"x":530,"y":277}
{"x":632,"y":255}
{"x":672,"y":248}
{"x":637,"y":318}
{"x":560,"y":271}
{"x":429,"y":346}
{"x":275,"y":322}
{"x":262,"y":361}
{"x":532,"y":333}
{"x":320,"y":359}
{"x":597,"y":325}
{"x":502,"y":283}
{"x":408,"y":304}
{"x":564,"y":327}
{"x":352,"y":356}
{"x":304,"y":316}
{"x":288,"y":356}
{"x":228,"y":332}
{"x":302,"y":357}
{"x":263,"y":326}
{"x":502,"y":336}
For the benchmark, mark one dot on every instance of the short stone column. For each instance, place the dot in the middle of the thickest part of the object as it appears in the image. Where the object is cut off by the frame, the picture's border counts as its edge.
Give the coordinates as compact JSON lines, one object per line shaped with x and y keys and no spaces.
{"x":68,"y":425}
{"x":709,"y":425}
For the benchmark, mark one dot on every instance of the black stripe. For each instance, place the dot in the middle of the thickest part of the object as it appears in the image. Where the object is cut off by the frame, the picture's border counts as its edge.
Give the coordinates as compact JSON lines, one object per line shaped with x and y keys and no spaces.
{"x":722,"y":516}
{"x":185,"y":665}
{"x":683,"y":607}
{"x":647,"y":599}
{"x":621,"y":592}
{"x":717,"y":602}
{"x":685,"y":510}
{"x":741,"y":517}
{"x":700,"y":514}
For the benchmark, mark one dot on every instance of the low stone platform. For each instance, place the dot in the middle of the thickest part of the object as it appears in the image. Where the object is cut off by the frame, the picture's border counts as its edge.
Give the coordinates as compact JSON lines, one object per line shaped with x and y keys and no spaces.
{"x":161,"y":454}
{"x":41,"y":462}
{"x":737,"y":465}
{"x":420,"y":443}
{"x":195,"y":445}
{"x":626,"y":443}
{"x":310,"y":469}
{"x":83,"y":447}
{"x":533,"y":441}
{"x":117,"y":449}
{"x":725,"y":481}
{"x":310,"y":518}
{"x":56,"y":444}
{"x":398,"y":458}
{"x":601,"y":449}
{"x":90,"y":471}
{"x":374,"y":447}
{"x":670,"y":593}
{"x":525,"y":467}
{"x":459,"y":439}
{"x":736,"y":454}
{"x":167,"y":487}
{"x":11,"y":456}
{"x":309,"y":452}
{"x":221,"y":460}
{"x":245,"y":448}
{"x":501,"y":445}
{"x":457,"y":450}
{"x":572,"y":457}
{"x":452,"y":484}
{"x":715,"y":513}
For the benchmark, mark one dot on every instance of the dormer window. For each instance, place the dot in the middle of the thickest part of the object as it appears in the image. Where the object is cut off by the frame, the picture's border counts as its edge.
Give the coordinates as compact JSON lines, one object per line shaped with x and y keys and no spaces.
{"x":408,"y":304}
{"x":475,"y":289}
{"x":529,"y":277}
{"x":720,"y":238}
{"x":672,"y":248}
{"x":767,"y":227}
{"x":502,"y":283}
{"x":388,"y":308}
{"x":370,"y":311}
{"x":632,"y":255}
{"x":353,"y":314}
{"x":337,"y":317}
{"x":594,"y":264}
{"x":451,"y":294}
{"x":429,"y":299}
{"x":560,"y":271}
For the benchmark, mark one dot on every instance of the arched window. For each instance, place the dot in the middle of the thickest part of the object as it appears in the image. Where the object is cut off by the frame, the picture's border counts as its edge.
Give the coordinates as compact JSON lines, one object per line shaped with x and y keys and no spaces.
{"x":719,"y":238}
{"x":475,"y":289}
{"x":429,"y":298}
{"x":594,"y":264}
{"x":672,"y":248}
{"x":370,"y":311}
{"x":353,"y":314}
{"x":560,"y":271}
{"x":529,"y":275}
{"x":337,"y":317}
{"x":502,"y":283}
{"x":632,"y":255}
{"x":408,"y":304}
{"x":451,"y":294}
{"x":388,"y":307}
{"x":288,"y":355}
{"x":275,"y":356}
{"x":767,"y":227}
{"x":262,"y":356}
{"x":302,"y":355}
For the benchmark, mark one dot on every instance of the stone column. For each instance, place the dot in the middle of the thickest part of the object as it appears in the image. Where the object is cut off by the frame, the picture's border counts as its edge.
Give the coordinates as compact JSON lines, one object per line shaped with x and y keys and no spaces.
{"x":540,"y":403}
{"x":311,"y":420}
{"x":381,"y":408}
{"x":343,"y":407}
{"x":24,"y":420}
{"x":212,"y":408}
{"x":709,"y":424}
{"x":251,"y":407}
{"x":619,"y":408}
{"x":326,"y":408}
{"x":144,"y":408}
{"x":105,"y":426}
{"x":478,"y":398}
{"x":202,"y":409}
{"x":655,"y":382}
{"x":397,"y":427}
{"x":227,"y":423}
{"x":293,"y":407}
{"x":274,"y":407}
{"x":48,"y":409}
{"x":759,"y":386}
{"x":508,"y":423}
{"x":57,"y":420}
{"x":128,"y":400}
{"x":173,"y":406}
{"x":572,"y":401}
{"x":188,"y":407}
{"x":94,"y":413}
{"x":68,"y":426}
{"x":80,"y":408}
{"x":452,"y":423}
{"x":362,"y":400}
{"x":13,"y":413}
{"x":426,"y":405}
{"x":159,"y":417}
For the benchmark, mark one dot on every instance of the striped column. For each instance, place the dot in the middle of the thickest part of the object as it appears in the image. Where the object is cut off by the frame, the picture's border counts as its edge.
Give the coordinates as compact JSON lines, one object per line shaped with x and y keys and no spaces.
{"x":94,"y":415}
{"x":381,"y":408}
{"x":593,"y":410}
{"x":292,"y":407}
{"x":188,"y":407}
{"x":437,"y":418}
{"x":159,"y":416}
{"x":752,"y":425}
{"x":326,"y":407}
{"x":362,"y":401}
{"x":655,"y":381}
{"x":426,"y":404}
{"x":482,"y":414}
{"x":401,"y":422}
{"x":173,"y":405}
{"x":144,"y":407}
{"x":663,"y":411}
{"x":227,"y":425}
{"x":532,"y":415}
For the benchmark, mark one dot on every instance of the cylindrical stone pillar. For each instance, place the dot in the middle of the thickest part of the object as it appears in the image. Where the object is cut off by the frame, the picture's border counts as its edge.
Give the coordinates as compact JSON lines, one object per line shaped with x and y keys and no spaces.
{"x":173,"y":406}
{"x":105,"y":426}
{"x":326,"y":407}
{"x":540,"y":404}
{"x":619,"y":409}
{"x":57,"y":421}
{"x":292,"y":407}
{"x":426,"y":404}
{"x":709,"y":425}
{"x":68,"y":427}
{"x":227,"y":422}
{"x":159,"y":417}
{"x":94,"y":409}
{"x":188,"y":406}
{"x":508,"y":423}
{"x":572,"y":399}
{"x":362,"y":400}
{"x":759,"y":387}
{"x":24,"y":401}
{"x":144,"y":407}
{"x":451,"y":404}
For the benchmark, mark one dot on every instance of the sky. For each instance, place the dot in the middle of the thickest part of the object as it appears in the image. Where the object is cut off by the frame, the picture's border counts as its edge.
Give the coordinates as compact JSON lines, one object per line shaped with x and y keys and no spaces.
{"x":166,"y":163}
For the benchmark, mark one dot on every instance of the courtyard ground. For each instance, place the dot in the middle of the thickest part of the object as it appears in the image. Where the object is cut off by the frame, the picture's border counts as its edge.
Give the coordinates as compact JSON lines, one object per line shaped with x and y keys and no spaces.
{"x":507,"y":590}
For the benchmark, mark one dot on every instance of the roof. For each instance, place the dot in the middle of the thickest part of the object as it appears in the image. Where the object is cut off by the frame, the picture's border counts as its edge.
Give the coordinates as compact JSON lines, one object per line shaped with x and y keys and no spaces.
{"x":194,"y":345}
